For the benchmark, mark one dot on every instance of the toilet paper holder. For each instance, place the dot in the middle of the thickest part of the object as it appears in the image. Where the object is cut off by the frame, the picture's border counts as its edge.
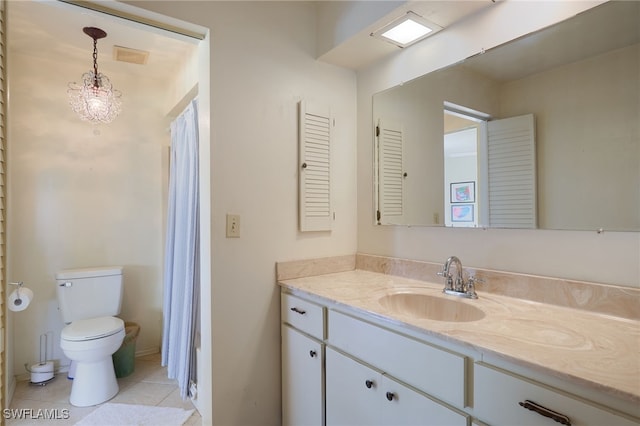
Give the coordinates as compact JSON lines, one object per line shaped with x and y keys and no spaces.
{"x":18,"y":300}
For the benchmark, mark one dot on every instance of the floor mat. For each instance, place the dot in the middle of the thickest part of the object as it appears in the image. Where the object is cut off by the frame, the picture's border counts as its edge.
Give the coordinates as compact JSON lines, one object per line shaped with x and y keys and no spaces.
{"x":111,"y":414}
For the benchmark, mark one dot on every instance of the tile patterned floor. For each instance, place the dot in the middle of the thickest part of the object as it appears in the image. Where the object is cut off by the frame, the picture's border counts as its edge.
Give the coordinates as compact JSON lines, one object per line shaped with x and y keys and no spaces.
{"x":147,"y":385}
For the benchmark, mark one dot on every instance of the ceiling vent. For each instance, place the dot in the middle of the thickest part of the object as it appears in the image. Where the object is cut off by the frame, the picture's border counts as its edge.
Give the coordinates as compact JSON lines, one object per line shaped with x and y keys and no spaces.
{"x":133,"y":56}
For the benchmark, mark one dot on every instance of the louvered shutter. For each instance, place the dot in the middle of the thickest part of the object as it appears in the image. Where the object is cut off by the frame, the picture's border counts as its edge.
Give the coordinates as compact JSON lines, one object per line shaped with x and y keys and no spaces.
{"x":512,"y":172}
{"x":315,"y":167}
{"x":390,"y":172}
{"x":3,"y":191}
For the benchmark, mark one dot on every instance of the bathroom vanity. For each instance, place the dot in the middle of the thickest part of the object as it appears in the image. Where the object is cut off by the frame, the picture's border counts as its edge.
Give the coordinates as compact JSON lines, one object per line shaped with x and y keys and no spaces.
{"x":362,"y":347}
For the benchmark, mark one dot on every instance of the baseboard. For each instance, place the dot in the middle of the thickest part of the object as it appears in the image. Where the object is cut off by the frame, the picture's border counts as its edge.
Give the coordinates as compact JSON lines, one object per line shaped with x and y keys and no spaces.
{"x":12,"y":389}
{"x":195,"y":399}
{"x":145,"y":352}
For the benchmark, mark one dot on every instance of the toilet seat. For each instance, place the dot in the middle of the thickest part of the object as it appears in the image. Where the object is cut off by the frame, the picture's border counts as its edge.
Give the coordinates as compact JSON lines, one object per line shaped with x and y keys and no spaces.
{"x":91,"y":329}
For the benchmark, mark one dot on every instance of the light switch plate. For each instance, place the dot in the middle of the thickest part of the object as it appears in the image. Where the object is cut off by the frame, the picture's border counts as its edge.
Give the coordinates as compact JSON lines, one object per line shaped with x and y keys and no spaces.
{"x":233,"y":226}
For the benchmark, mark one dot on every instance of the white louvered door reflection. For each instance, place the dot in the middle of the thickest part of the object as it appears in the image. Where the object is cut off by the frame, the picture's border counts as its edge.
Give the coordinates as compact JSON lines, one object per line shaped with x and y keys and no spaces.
{"x":390,"y":172}
{"x":315,"y":167}
{"x":512,"y":172}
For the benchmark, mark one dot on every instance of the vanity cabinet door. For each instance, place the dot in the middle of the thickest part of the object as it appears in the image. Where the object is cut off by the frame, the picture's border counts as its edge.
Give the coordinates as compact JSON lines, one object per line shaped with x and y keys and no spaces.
{"x":403,"y":406}
{"x":359,"y":395}
{"x":302,"y":379}
{"x":352,"y":391}
{"x":502,"y":398}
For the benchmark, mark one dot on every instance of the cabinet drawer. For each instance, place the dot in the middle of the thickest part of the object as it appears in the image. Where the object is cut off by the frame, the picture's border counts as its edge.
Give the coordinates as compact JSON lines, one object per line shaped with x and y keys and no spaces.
{"x":432,"y":370}
{"x":303,"y":315}
{"x":498,"y":394}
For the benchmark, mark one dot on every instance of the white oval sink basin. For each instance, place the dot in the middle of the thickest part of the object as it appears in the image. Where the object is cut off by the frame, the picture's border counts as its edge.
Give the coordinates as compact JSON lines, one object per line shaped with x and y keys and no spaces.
{"x":430,"y":307}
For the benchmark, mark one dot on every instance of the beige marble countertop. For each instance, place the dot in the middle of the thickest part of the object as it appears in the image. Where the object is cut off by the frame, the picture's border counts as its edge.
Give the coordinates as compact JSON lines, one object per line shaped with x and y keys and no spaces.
{"x":590,"y":349}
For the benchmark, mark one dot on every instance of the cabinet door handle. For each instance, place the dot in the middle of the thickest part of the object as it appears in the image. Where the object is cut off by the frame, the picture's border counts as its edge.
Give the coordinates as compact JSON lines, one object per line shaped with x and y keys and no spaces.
{"x":298,"y":311}
{"x":312,"y":353}
{"x":369,"y":384}
{"x":544,"y":411}
{"x":390,"y":396}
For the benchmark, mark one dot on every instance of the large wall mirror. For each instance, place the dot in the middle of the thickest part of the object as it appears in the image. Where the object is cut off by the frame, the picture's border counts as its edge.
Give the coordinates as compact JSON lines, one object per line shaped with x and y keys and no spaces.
{"x":541,"y":132}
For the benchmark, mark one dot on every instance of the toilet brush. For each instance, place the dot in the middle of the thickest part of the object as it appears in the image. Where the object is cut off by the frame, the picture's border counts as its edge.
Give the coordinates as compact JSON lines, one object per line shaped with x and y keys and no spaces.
{"x":42,"y":372}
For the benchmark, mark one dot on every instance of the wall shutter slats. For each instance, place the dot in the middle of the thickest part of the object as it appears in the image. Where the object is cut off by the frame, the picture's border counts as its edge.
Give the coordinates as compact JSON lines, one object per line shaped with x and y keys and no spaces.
{"x":512,"y":172}
{"x":315,"y":212}
{"x":390,"y":170}
{"x":3,"y":142}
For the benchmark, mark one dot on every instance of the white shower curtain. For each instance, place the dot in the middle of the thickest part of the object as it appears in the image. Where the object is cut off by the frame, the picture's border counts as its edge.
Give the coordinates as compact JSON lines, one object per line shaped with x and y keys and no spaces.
{"x":181,"y":270}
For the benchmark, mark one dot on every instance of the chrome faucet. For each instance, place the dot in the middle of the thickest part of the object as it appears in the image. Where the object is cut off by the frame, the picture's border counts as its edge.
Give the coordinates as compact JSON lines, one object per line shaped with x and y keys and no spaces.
{"x":450,"y":283}
{"x":458,"y":286}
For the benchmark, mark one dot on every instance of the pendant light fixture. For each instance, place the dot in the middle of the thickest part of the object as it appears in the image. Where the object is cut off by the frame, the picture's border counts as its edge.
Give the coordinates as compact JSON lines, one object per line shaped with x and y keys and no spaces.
{"x":95,"y":100}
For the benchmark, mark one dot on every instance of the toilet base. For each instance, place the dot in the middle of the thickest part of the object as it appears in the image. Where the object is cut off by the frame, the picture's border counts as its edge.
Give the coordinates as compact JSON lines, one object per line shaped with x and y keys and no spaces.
{"x":93,"y":383}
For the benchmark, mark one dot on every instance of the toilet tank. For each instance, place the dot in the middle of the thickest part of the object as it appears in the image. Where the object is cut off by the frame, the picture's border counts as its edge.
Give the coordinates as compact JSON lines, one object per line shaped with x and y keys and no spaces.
{"x":89,"y":292}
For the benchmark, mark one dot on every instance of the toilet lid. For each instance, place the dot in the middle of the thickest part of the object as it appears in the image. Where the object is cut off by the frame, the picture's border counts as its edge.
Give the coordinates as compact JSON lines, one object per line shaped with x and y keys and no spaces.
{"x":92,"y":328}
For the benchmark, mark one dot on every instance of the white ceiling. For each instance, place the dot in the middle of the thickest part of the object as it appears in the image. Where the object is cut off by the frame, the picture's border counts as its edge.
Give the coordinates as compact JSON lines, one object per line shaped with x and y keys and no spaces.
{"x":362,"y":49}
{"x":604,"y":28}
{"x":53,"y":30}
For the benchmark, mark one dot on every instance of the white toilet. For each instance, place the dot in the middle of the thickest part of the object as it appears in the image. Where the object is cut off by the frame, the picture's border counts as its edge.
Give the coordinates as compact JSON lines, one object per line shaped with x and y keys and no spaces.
{"x":88,"y":299}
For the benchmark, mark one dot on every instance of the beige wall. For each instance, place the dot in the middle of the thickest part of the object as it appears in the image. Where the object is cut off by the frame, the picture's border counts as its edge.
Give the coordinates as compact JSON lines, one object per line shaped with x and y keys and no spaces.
{"x":84,"y":195}
{"x":257,"y":77}
{"x":577,"y":161}
{"x":611,"y":257}
{"x":262,"y":61}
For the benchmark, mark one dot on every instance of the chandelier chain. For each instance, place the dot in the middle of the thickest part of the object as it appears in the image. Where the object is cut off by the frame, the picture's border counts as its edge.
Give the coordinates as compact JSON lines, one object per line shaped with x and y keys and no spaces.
{"x":95,"y":61}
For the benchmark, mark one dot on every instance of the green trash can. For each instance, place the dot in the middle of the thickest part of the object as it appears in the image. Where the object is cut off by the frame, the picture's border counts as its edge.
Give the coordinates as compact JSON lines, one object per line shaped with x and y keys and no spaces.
{"x":124,"y":358}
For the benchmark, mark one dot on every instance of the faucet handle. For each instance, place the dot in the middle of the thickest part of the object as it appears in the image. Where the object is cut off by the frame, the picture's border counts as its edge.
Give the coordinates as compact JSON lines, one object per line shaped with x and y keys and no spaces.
{"x":475,"y":280}
{"x":471,"y":286}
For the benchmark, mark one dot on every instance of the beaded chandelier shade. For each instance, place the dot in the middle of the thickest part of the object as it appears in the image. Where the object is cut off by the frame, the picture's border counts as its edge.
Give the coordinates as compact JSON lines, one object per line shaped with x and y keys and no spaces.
{"x":95,"y":99}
